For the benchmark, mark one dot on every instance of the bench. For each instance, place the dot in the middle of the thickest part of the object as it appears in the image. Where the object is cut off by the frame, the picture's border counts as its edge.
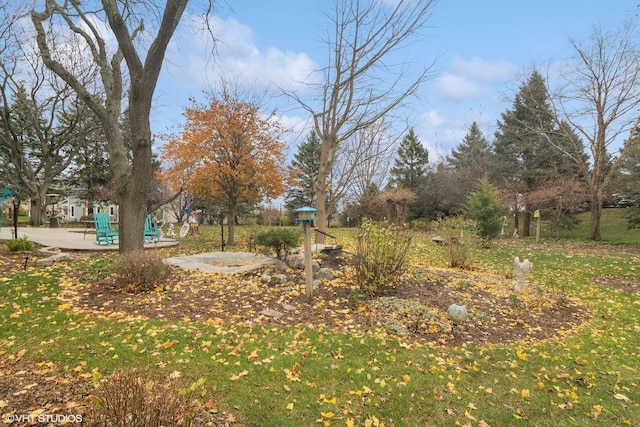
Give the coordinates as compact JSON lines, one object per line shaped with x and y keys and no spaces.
{"x":104,"y":233}
{"x":151,"y":232}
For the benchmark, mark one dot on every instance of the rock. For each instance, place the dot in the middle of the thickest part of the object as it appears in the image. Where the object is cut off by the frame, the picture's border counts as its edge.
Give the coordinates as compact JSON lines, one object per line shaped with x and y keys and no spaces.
{"x":289,"y":307}
{"x":265,"y":278}
{"x":296,"y":262}
{"x":280,"y":266}
{"x":271,"y":313}
{"x":457,"y":313}
{"x":281,"y":278}
{"x":325,"y":273}
{"x":317,"y":283}
{"x":315,"y":266}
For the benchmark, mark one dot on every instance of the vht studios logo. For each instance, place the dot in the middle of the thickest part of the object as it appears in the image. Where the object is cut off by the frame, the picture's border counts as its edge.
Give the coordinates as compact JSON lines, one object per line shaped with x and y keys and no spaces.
{"x":42,"y":418}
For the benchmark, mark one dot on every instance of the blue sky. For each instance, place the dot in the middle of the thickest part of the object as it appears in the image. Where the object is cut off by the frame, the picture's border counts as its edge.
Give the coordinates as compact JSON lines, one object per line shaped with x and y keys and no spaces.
{"x":484,"y":48}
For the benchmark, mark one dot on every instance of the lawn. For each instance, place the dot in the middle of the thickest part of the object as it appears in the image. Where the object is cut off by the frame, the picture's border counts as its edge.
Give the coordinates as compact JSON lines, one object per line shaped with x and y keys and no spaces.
{"x":564,"y":352}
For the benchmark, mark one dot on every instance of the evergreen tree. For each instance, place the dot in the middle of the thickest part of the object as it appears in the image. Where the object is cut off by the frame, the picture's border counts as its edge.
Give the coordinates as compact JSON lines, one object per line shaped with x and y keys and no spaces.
{"x":92,"y":173}
{"x":410,"y":167}
{"x":523,"y":154}
{"x":484,"y":207}
{"x":304,"y":174}
{"x":468,"y":164}
{"x":472,"y":157}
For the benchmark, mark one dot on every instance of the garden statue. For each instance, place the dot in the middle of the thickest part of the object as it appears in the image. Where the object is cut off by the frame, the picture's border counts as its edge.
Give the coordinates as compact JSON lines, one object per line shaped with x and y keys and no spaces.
{"x":520,"y":270}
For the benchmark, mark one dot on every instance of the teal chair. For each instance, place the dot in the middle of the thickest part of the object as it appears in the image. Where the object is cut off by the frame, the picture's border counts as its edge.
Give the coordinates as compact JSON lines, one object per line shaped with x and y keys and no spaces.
{"x":104,"y":233}
{"x":151,"y":232}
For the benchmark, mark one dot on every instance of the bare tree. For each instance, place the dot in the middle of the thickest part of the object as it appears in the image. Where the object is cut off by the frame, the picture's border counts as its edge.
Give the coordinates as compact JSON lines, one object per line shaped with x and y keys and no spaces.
{"x":363,"y":163}
{"x":600,"y":100}
{"x":364,"y":80}
{"x":92,"y":31}
{"x":39,"y":115}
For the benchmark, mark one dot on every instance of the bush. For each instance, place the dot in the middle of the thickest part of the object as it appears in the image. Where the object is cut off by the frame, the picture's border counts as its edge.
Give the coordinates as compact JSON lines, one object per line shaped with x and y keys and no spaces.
{"x":131,"y":399}
{"x":20,"y":244}
{"x":380,"y":255}
{"x":460,"y":239}
{"x":486,"y":209}
{"x":139,"y":271}
{"x":279,"y":239}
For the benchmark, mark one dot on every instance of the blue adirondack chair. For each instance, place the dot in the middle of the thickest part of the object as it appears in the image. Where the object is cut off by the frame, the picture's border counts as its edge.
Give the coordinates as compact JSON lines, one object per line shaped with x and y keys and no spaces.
{"x":151,"y":232}
{"x":104,"y":233}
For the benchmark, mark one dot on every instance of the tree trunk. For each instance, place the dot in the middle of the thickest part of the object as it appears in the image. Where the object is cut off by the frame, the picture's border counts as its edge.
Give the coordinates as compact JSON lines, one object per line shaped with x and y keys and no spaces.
{"x":321,"y":214}
{"x":36,"y":212}
{"x":231,"y":224}
{"x":526,"y":224}
{"x":516,"y":222}
{"x":594,"y":220}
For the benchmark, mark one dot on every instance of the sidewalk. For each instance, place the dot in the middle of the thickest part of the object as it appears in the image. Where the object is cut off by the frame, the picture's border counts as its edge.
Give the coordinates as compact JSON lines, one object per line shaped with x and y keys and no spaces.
{"x":70,"y":238}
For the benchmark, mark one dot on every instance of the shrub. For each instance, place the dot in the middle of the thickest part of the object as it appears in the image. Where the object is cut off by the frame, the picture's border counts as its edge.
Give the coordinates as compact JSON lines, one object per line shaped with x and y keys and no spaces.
{"x":486,"y":209}
{"x":131,"y":399}
{"x":381,"y":251}
{"x":20,"y":244}
{"x":279,"y":239}
{"x":139,"y":271}
{"x":460,"y":239}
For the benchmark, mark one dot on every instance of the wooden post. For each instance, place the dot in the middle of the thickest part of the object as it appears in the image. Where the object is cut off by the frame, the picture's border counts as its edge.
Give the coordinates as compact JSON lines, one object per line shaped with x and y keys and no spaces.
{"x":537,"y":215}
{"x":307,"y":258}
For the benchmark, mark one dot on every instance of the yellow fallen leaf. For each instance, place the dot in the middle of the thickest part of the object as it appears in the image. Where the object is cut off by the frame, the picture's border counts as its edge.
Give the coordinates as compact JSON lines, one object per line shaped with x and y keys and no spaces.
{"x":621,"y":396}
{"x":349,"y":422}
{"x":290,"y":406}
{"x":240,"y":375}
{"x":327,"y":414}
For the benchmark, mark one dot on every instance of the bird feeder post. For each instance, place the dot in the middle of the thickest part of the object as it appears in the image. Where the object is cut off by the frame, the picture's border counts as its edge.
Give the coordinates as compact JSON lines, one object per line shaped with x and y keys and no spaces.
{"x":306,"y":215}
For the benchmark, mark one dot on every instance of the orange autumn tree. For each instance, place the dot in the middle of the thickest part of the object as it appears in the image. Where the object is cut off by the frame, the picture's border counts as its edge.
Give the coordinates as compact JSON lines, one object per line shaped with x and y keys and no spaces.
{"x":228,"y":151}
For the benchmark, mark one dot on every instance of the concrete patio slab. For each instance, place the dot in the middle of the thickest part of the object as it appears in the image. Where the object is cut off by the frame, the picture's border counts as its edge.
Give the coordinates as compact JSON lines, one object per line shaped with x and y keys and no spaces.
{"x":221,"y":262}
{"x":70,"y":238}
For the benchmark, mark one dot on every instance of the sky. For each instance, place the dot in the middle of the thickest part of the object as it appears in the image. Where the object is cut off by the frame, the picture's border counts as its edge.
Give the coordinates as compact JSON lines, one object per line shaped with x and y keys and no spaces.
{"x":482,"y":51}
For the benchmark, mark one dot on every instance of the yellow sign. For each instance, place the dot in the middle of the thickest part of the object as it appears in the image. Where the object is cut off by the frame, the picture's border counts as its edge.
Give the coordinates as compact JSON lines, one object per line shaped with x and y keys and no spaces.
{"x":536,"y":214}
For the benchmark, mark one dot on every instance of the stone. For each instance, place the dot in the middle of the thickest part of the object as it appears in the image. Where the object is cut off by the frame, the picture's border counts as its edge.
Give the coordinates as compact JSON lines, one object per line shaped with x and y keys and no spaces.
{"x":296,"y":262}
{"x":281,"y":278}
{"x":438,"y":240}
{"x":271,"y":313}
{"x":520,"y":271}
{"x":265,"y":278}
{"x":457,"y":313}
{"x":325,"y":273}
{"x":280,"y":266}
{"x":289,"y":307}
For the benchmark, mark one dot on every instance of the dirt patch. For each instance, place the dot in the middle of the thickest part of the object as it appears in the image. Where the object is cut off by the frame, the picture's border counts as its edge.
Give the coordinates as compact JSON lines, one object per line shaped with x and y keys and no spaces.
{"x":624,"y":284}
{"x":495,"y":313}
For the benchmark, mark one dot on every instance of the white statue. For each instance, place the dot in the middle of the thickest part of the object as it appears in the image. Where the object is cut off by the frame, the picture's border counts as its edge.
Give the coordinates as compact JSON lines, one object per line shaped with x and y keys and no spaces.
{"x":520,"y":270}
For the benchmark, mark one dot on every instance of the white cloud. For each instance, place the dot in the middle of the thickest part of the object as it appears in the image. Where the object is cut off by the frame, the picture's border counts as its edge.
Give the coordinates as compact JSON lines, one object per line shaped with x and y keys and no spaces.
{"x":479,"y":69}
{"x":193,"y":63}
{"x":458,"y":87}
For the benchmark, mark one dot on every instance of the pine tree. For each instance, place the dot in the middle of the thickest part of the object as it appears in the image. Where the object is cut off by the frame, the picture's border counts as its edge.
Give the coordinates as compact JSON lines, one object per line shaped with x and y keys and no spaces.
{"x":523,"y":153}
{"x":484,"y":207}
{"x":304,"y":172}
{"x":410,"y":167}
{"x":473,"y":155}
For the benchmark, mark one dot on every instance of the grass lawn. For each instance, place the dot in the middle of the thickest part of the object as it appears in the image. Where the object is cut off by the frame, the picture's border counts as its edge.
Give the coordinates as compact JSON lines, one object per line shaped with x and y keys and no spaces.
{"x":61,"y":340}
